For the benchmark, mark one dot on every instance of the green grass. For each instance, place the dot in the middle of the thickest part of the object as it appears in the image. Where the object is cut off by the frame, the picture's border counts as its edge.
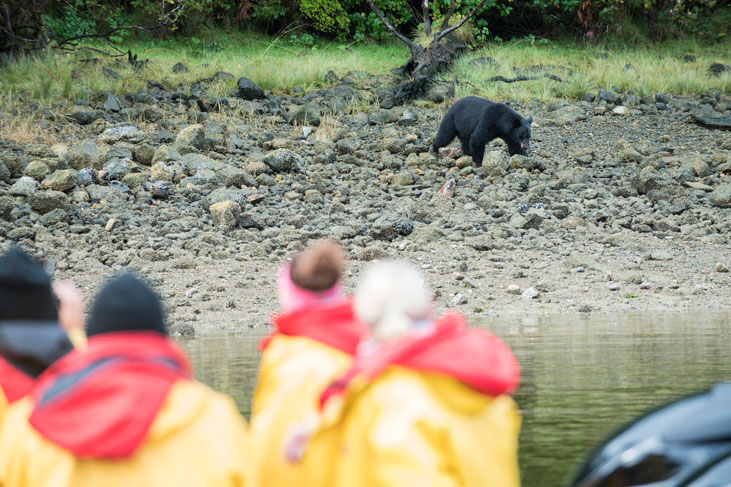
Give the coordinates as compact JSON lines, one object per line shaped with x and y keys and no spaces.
{"x":643,"y":70}
{"x":281,"y":64}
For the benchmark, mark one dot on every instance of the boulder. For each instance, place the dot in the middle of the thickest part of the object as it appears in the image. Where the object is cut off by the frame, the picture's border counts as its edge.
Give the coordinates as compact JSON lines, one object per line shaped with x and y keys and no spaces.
{"x":61,"y":180}
{"x":282,"y":160}
{"x":225,"y":214}
{"x":45,"y":201}
{"x":248,"y":90}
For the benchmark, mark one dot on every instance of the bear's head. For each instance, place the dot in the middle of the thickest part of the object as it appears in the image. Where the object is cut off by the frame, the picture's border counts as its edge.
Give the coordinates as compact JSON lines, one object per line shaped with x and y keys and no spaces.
{"x":521,"y":131}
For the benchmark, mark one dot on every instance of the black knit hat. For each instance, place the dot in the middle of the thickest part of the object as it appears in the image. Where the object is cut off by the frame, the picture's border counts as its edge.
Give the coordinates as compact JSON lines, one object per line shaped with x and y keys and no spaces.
{"x":125,"y":303}
{"x":25,"y":289}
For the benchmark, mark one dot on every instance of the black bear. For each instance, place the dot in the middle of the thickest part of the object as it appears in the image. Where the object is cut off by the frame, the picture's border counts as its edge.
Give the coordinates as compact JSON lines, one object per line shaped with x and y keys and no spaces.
{"x":476,"y":121}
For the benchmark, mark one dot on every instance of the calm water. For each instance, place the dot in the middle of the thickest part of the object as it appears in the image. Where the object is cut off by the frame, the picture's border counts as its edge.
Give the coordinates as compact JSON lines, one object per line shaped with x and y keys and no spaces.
{"x":582,"y":375}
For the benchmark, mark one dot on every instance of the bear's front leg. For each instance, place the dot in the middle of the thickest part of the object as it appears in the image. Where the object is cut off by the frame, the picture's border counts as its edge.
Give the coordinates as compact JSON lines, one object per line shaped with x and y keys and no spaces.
{"x":477,"y":148}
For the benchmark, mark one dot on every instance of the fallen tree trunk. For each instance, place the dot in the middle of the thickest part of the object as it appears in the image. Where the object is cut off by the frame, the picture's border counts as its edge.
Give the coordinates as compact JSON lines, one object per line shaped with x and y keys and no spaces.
{"x":427,"y":61}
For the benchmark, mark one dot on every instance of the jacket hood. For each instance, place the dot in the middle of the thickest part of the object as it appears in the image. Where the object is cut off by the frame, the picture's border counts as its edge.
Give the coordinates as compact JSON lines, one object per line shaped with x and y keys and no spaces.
{"x":473,"y":356}
{"x":100,"y":403}
{"x":32,"y":346}
{"x":333,"y":324}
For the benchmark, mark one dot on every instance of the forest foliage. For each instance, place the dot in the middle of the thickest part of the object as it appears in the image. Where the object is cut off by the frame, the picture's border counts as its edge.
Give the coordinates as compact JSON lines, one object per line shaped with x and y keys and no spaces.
{"x":33,"y":24}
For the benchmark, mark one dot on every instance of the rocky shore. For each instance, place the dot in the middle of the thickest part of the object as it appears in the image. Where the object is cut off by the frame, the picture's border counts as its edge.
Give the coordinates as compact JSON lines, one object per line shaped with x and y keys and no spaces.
{"x":624,"y":203}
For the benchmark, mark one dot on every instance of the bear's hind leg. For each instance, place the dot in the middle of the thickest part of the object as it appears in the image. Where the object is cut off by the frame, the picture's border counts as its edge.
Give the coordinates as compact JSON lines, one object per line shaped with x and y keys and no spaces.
{"x":465,"y":146}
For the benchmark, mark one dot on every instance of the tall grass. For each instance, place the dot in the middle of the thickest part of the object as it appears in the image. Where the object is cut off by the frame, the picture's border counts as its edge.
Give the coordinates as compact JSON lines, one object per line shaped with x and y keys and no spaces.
{"x":642,"y":70}
{"x":281,"y":64}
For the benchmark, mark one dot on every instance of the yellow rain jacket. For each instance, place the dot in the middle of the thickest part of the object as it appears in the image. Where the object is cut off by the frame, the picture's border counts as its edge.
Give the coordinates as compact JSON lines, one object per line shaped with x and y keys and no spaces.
{"x":430,"y":411}
{"x":196,"y":436}
{"x":36,"y":344}
{"x":309,"y":349}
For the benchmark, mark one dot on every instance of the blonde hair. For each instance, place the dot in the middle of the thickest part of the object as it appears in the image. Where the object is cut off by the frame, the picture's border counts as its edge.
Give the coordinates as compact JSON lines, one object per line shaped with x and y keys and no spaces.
{"x":390,"y":297}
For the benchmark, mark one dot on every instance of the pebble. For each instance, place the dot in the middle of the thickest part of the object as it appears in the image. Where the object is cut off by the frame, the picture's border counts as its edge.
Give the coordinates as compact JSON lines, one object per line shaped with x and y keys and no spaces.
{"x":513,"y":289}
{"x":531,"y":293}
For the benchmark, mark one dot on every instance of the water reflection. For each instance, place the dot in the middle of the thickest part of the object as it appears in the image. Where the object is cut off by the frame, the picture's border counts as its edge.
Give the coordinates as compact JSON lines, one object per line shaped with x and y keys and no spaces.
{"x":582,"y":375}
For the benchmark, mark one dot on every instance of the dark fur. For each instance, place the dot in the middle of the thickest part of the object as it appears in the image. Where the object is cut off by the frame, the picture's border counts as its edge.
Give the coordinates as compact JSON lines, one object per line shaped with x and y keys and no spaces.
{"x":477,"y":121}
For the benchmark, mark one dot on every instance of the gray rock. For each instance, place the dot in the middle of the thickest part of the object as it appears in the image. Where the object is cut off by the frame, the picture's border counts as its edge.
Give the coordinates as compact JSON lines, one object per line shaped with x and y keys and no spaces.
{"x":165,"y":153}
{"x":347,"y":146}
{"x":191,"y":138}
{"x":61,"y":180}
{"x":409,"y":117}
{"x":282,"y":160}
{"x":24,"y":186}
{"x":307,"y":114}
{"x":85,"y":117}
{"x":153,"y":114}
{"x":45,"y":201}
{"x":117,"y":152}
{"x":54,"y":216}
{"x":144,"y":153}
{"x":662,"y":98}
{"x":701,"y":167}
{"x":531,"y":293}
{"x":248,"y":90}
{"x":21,"y":233}
{"x":225,"y":194}
{"x":86,"y":176}
{"x":112,"y":104}
{"x":158,"y":189}
{"x":105,"y":194}
{"x":84,"y":154}
{"x":439,"y":93}
{"x":529,"y":220}
{"x":172,"y":171}
{"x":232,"y":176}
{"x":721,"y":196}
{"x":117,"y":169}
{"x":127,"y":133}
{"x":6,"y":207}
{"x":627,"y":153}
{"x":4,"y":172}
{"x":37,"y":170}
{"x":495,"y":164}
{"x":565,"y":115}
{"x":404,"y":178}
{"x":180,"y":68}
{"x":436,"y":208}
{"x":383,"y":116}
{"x":608,"y":96}
{"x":225,"y":214}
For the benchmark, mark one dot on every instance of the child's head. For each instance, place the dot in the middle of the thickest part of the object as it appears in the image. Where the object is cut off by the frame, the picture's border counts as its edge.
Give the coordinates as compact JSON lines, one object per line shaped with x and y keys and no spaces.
{"x":312,"y":277}
{"x":392,"y":298}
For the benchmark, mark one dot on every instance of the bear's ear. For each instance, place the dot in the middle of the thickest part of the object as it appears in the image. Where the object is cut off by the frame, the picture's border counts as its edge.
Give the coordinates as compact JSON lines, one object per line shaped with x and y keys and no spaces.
{"x":516,"y":123}
{"x":530,"y":120}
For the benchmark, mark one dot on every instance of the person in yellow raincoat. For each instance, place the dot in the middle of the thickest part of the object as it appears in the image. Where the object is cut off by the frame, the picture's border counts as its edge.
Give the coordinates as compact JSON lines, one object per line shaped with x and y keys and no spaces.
{"x":426,"y":402}
{"x":125,"y":411}
{"x":30,"y":336}
{"x":315,"y":337}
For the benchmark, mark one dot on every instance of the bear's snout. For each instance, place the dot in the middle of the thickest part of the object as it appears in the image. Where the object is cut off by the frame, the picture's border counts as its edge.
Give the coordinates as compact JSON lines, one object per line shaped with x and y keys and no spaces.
{"x":525,"y":144}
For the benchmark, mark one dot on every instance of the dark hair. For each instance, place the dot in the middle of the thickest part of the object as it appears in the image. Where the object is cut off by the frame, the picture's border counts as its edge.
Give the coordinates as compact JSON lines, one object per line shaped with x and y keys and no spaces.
{"x":319,"y":267}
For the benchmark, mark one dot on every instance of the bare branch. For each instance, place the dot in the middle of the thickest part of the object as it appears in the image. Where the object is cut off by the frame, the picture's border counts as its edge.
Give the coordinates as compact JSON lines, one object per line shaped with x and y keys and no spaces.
{"x":460,"y":24}
{"x":427,"y":19}
{"x":450,"y":12}
{"x":393,"y":30}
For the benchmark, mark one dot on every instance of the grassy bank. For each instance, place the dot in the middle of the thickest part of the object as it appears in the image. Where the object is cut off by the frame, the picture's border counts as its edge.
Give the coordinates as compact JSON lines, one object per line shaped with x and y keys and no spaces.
{"x":284,"y":63}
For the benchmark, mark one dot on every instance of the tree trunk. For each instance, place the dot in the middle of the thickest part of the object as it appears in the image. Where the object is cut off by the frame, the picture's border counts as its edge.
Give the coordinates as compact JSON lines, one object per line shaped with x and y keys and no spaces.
{"x":427,"y":61}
